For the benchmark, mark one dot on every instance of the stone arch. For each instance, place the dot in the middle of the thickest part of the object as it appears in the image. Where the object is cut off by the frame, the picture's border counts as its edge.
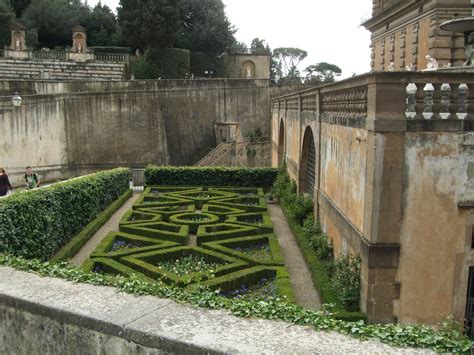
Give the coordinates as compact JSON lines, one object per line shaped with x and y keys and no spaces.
{"x":281,"y":143}
{"x":248,"y":70}
{"x":307,"y":173}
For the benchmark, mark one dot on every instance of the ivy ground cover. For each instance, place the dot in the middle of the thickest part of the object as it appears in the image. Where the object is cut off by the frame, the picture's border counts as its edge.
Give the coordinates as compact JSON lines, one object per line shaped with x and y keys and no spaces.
{"x":221,"y":238}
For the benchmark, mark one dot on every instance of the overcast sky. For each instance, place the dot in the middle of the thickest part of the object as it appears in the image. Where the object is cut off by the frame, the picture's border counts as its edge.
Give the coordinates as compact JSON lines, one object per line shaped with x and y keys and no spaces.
{"x":327,"y":29}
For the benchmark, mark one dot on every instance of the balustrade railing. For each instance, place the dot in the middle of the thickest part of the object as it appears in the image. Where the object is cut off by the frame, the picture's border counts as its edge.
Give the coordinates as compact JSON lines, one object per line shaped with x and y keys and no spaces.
{"x":439,"y":100}
{"x":53,"y":55}
{"x":111,"y":57}
{"x":389,"y":96}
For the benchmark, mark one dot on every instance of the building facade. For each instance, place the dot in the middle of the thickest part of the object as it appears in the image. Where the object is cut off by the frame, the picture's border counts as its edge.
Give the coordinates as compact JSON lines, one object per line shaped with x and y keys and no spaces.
{"x":391,"y":170}
{"x":394,"y":187}
{"x":404,"y":32}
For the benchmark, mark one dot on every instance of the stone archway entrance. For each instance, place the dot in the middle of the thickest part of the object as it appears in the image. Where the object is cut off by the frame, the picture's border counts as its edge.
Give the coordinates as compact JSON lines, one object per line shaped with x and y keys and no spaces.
{"x":281,"y":144}
{"x":307,"y":175}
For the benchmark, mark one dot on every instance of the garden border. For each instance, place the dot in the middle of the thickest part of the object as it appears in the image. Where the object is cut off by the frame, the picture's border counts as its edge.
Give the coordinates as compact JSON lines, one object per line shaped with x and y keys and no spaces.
{"x":76,"y":243}
{"x":319,"y":273}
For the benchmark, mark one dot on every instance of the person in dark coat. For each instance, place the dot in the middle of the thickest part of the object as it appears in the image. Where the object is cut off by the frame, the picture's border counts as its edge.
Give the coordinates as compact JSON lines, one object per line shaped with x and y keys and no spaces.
{"x":4,"y":182}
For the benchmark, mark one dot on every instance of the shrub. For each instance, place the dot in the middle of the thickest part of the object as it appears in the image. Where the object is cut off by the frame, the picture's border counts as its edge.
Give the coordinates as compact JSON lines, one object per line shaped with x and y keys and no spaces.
{"x":202,"y":62}
{"x":319,"y":241}
{"x":36,"y":223}
{"x":166,"y":63}
{"x":301,"y":208}
{"x":211,"y":176}
{"x":345,"y":277}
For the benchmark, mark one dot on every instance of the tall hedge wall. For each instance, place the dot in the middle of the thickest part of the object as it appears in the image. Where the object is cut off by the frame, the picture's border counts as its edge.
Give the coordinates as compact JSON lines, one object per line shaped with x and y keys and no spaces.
{"x":210,"y":176}
{"x":165,"y":63}
{"x":202,"y":62}
{"x":35,"y":224}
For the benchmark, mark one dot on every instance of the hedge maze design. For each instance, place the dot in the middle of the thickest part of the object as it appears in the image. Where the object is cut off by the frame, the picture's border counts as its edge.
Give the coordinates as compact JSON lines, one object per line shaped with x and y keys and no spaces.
{"x":226,"y":228}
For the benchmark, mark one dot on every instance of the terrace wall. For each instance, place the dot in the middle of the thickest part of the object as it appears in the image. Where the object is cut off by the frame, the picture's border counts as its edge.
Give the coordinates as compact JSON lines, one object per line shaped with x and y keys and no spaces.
{"x":70,"y":128}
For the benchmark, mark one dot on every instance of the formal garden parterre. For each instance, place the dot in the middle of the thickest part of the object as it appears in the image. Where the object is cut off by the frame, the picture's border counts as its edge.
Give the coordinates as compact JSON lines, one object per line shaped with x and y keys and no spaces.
{"x":217,"y":237}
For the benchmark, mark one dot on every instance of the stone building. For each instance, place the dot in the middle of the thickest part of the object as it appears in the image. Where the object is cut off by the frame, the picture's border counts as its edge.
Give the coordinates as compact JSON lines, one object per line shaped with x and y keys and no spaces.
{"x":404,"y":32}
{"x":392,"y":182}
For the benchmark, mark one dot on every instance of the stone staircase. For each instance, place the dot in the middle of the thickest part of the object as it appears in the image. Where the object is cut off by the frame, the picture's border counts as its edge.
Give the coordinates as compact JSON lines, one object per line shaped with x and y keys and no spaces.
{"x":219,"y":156}
{"x":257,"y":154}
{"x":14,"y":69}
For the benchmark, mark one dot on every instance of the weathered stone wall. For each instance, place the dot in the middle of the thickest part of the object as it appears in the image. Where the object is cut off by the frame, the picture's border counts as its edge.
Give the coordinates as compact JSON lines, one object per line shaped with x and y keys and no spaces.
{"x":245,"y":154}
{"x":397,"y":191}
{"x":260,"y":65}
{"x":435,"y":233}
{"x":78,"y":127}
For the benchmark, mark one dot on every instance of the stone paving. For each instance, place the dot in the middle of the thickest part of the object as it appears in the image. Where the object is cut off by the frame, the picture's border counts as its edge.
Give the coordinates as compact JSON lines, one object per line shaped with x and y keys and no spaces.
{"x":112,"y":225}
{"x":300,"y":276}
{"x":151,"y":323}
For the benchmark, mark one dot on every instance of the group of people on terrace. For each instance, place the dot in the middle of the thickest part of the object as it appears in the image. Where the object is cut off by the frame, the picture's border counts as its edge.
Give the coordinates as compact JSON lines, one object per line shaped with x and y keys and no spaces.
{"x":31,"y":178}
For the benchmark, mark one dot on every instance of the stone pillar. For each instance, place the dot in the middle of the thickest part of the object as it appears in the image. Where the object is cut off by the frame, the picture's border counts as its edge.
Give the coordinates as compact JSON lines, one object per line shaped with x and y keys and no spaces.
{"x":383,"y":210}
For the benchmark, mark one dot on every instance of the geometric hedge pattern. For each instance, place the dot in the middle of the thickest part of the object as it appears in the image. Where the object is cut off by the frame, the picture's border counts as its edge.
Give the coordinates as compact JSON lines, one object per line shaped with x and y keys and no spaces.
{"x":216,"y":224}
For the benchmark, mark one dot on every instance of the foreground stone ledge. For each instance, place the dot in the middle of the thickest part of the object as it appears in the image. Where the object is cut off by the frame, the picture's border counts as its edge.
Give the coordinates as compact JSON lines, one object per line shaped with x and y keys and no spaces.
{"x":58,"y":316}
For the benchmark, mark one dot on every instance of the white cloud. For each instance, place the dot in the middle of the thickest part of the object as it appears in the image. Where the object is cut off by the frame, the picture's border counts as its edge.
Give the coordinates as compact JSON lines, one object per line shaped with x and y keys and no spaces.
{"x":328,"y":30}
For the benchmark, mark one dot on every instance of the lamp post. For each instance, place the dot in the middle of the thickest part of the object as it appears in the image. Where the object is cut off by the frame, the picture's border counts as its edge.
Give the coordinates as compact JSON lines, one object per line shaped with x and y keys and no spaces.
{"x":16,"y":102}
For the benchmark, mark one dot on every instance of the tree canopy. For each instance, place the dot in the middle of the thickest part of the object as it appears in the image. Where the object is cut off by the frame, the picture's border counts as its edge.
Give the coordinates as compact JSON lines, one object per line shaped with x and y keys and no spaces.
{"x":287,"y":60}
{"x":205,"y":27}
{"x":322,"y":72}
{"x":150,"y":23}
{"x":19,"y":6}
{"x":53,"y":20}
{"x":101,"y":25}
{"x":7,"y":16}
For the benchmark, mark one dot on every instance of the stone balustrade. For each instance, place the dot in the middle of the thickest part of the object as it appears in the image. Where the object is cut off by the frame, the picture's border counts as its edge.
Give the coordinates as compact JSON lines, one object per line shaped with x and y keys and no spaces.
{"x":397,"y":101}
{"x":65,"y":56}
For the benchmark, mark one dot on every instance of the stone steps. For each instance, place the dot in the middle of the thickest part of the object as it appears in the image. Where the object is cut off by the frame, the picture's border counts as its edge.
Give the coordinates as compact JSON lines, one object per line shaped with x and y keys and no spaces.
{"x":57,"y":70}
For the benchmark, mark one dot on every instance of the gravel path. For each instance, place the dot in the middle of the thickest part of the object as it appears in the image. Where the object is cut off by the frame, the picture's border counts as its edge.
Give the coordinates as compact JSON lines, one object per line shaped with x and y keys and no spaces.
{"x":300,"y":276}
{"x":112,"y":225}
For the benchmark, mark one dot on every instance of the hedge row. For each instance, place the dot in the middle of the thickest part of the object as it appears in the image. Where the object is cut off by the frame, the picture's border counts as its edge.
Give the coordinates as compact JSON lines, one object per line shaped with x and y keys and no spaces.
{"x":165,"y":63}
{"x":202,"y":62}
{"x":71,"y":248}
{"x":36,"y":223}
{"x":211,"y":176}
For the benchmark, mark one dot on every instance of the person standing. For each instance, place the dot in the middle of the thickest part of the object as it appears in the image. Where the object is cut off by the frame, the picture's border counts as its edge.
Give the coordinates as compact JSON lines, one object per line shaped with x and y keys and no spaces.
{"x":4,"y":182}
{"x":31,"y":179}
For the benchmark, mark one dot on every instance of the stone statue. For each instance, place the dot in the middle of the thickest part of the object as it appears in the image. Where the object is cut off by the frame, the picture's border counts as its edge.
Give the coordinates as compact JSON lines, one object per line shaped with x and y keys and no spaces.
{"x":17,"y":45}
{"x":469,"y":48}
{"x":248,"y":72}
{"x":432,"y":63}
{"x":137,"y":53}
{"x":391,"y":67}
{"x":410,"y":67}
{"x":79,"y":48}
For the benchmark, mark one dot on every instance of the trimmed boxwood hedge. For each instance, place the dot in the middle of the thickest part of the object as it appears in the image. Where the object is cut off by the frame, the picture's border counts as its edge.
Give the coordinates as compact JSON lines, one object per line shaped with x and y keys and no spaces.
{"x":210,"y":176}
{"x":71,"y":248}
{"x":36,"y":223}
{"x":165,"y":63}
